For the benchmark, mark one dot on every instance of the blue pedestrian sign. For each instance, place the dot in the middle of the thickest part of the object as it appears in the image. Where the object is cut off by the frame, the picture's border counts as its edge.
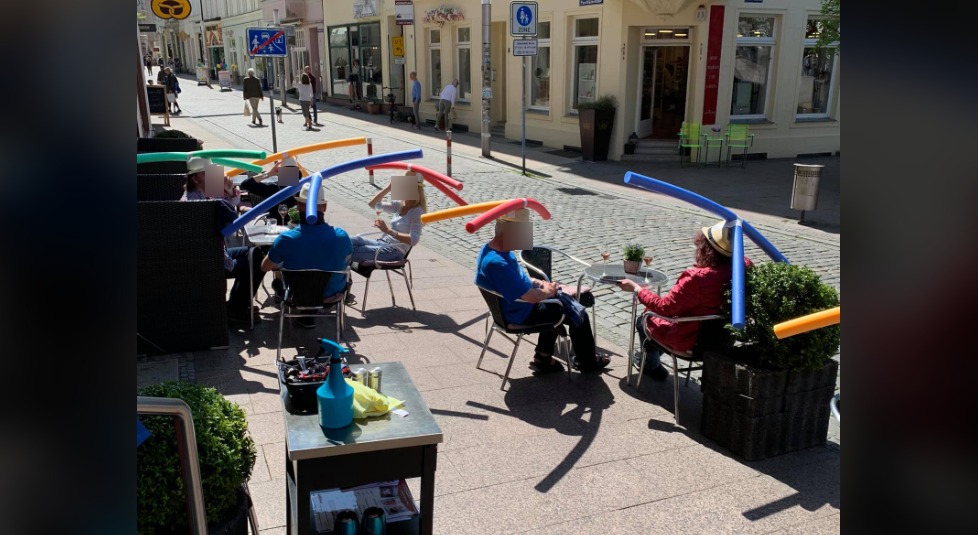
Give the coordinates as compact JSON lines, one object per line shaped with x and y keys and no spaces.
{"x":523,"y":19}
{"x":266,"y":42}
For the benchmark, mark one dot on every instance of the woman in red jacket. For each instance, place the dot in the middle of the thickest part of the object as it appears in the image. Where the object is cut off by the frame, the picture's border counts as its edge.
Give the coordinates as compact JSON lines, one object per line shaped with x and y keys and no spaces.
{"x":698,"y":292}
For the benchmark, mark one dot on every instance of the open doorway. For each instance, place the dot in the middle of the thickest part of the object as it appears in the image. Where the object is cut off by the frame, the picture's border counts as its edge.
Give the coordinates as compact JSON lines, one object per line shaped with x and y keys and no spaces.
{"x":662,"y":91}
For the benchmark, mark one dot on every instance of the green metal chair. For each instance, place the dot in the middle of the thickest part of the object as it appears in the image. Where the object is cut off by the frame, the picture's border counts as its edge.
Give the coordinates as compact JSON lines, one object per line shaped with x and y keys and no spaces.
{"x":690,"y":138}
{"x":738,"y":136}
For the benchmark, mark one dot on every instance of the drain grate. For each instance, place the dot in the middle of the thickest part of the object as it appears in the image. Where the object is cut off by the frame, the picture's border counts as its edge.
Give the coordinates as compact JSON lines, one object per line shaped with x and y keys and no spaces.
{"x":576,"y":191}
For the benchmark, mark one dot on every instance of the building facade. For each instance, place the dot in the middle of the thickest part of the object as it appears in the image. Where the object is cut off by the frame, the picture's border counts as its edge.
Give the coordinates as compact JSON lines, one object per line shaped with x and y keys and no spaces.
{"x":665,"y":62}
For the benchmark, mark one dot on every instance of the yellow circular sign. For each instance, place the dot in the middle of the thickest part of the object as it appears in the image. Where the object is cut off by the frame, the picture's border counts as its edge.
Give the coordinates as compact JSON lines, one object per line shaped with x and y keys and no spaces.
{"x":171,"y":9}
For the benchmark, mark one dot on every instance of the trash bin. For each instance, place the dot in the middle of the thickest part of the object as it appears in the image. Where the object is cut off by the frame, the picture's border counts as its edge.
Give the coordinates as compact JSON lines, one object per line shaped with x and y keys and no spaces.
{"x":804,"y":194}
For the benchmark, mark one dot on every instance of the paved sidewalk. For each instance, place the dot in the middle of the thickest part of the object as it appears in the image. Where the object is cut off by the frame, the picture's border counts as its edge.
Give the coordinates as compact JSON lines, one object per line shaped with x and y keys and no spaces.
{"x":550,"y":455}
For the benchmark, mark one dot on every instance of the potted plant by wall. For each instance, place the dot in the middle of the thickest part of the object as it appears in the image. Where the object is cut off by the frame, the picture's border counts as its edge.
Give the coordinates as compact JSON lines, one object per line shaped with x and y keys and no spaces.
{"x":373,"y":107}
{"x":294,"y":217}
{"x":226,"y":454}
{"x":595,"y":120}
{"x":633,"y":255}
{"x":762,"y":396}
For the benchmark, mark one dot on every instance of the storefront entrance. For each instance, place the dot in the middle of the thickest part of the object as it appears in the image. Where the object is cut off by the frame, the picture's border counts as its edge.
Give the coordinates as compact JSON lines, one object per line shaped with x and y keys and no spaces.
{"x":662,"y":93}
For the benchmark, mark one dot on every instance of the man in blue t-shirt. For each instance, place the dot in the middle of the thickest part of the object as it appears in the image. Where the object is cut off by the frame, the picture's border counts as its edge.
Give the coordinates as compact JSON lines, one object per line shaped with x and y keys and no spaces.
{"x":498,"y":270}
{"x":416,"y":100}
{"x":318,"y":246}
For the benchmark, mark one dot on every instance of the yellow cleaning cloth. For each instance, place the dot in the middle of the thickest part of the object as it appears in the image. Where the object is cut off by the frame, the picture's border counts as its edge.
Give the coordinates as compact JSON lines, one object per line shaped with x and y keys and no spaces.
{"x":367,"y":402}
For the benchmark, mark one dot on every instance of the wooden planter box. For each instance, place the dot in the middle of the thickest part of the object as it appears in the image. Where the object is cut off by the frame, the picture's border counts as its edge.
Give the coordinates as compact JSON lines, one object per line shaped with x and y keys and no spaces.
{"x":373,"y":108}
{"x":764,"y":413}
{"x":596,"y":128}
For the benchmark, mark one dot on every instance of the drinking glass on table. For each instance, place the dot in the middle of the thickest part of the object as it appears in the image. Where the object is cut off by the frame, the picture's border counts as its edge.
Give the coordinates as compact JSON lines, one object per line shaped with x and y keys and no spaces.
{"x":605,"y":254}
{"x":648,"y":260}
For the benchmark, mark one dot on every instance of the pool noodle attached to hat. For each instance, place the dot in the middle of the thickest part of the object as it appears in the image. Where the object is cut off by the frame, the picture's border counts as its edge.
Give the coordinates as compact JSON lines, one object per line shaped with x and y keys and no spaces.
{"x":436,"y":179}
{"x":504,"y":208}
{"x":151,"y":157}
{"x":263,"y":207}
{"x":245,"y":166}
{"x":335,"y":144}
{"x":458,"y":211}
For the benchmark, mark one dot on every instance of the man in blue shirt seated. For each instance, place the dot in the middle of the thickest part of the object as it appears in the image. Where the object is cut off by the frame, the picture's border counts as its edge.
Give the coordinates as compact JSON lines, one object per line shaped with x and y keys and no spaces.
{"x":498,"y":270}
{"x":317,"y":246}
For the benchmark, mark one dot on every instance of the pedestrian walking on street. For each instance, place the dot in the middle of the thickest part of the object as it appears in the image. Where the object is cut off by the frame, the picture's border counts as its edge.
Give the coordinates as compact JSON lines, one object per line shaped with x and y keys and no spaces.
{"x":446,"y":106}
{"x":305,"y":99}
{"x":172,"y":88}
{"x":315,"y":94}
{"x":354,"y":84}
{"x":253,"y":94}
{"x":416,"y":99}
{"x":149,"y":64}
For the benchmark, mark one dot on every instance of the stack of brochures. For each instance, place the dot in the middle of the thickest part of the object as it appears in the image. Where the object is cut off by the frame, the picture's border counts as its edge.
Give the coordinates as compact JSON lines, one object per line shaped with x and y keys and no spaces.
{"x":394,"y":497}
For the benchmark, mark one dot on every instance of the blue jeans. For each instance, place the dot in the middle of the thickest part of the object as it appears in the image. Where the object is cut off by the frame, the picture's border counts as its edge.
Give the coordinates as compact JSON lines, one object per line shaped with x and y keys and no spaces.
{"x":365,"y":248}
{"x":239,"y":298}
{"x":652,"y":359}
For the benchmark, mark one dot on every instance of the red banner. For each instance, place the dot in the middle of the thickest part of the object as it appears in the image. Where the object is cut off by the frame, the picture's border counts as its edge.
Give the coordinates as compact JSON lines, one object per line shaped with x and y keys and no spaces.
{"x":714,"y":43}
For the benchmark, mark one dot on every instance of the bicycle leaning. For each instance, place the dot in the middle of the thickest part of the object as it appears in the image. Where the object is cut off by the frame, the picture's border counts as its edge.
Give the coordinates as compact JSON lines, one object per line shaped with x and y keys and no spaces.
{"x":391,"y":101}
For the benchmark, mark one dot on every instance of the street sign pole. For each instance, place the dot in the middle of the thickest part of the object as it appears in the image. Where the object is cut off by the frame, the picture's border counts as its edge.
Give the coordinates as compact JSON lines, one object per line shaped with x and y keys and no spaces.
{"x":523,"y":24}
{"x":524,"y":115}
{"x":486,"y":77}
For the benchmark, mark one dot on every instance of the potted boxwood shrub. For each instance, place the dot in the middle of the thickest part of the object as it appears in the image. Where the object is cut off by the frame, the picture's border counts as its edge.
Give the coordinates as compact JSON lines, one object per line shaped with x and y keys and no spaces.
{"x":633,"y":255}
{"x":595,"y":120}
{"x":762,"y":396}
{"x":226,"y":454}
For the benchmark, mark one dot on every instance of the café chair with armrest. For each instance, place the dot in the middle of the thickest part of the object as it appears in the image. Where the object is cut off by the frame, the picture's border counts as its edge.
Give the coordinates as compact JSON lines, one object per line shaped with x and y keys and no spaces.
{"x":738,"y":136}
{"x":303,"y":298}
{"x":499,"y":323}
{"x":690,"y":138}
{"x":707,"y":337}
{"x":539,"y":260}
{"x":400,"y":267}
{"x":160,"y":187}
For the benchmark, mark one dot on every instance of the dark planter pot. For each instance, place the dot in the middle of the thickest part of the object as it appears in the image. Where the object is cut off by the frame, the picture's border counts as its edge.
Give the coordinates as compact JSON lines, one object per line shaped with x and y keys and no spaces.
{"x":596,"y":127}
{"x":236,"y":521}
{"x":630,"y":148}
{"x":757,"y":413}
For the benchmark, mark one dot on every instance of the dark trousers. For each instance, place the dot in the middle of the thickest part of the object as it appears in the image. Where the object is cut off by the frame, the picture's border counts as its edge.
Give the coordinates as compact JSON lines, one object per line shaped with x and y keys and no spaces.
{"x":239,"y":298}
{"x":655,"y":350}
{"x":582,"y":339}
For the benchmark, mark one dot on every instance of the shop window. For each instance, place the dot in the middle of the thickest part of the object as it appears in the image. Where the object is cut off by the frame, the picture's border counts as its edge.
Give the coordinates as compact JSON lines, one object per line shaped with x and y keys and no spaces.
{"x":434,"y":62}
{"x":584,"y":51}
{"x":339,"y":57}
{"x":752,"y":66}
{"x":463,"y":62}
{"x":817,"y":82}
{"x":539,"y":76}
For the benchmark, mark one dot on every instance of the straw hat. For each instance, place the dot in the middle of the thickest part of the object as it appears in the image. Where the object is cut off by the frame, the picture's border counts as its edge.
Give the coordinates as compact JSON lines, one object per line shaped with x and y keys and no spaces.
{"x":304,"y":194}
{"x":718,"y":236}
{"x":522,"y":215}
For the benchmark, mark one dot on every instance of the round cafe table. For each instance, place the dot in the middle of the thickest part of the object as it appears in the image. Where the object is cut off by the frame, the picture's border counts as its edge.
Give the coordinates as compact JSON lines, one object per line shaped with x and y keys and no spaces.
{"x":609,"y":275}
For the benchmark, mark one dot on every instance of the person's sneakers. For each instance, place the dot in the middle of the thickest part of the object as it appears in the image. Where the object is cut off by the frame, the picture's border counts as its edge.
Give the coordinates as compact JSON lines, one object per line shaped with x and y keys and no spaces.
{"x":541,"y":364}
{"x":659,"y":373}
{"x":306,"y":323}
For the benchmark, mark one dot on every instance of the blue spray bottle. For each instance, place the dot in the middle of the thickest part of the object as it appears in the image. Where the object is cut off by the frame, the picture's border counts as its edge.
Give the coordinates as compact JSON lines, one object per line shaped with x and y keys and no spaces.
{"x":335,"y":397}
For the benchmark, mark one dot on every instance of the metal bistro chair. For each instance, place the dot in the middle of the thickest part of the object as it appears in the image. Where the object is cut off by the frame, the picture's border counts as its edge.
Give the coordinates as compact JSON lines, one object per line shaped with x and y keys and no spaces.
{"x":303,"y":298}
{"x":690,"y":138}
{"x":706,"y":338}
{"x":400,"y":267}
{"x":738,"y":136}
{"x":494,"y":301}
{"x":539,"y":260}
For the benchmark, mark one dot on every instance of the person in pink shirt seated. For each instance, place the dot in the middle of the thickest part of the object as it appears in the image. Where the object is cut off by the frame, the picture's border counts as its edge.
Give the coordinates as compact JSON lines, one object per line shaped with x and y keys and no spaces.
{"x":698,"y":292}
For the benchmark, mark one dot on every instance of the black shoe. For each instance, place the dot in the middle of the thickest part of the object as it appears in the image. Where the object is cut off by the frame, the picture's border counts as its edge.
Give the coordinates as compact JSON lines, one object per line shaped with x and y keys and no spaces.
{"x":278,"y":288}
{"x":600,"y":362}
{"x":545,"y":365}
{"x":659,"y":373}
{"x":306,"y":323}
{"x":350,"y":300}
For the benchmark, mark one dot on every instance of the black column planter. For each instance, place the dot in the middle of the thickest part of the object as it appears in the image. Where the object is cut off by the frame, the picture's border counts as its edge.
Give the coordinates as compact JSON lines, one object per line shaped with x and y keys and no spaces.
{"x":596,"y":128}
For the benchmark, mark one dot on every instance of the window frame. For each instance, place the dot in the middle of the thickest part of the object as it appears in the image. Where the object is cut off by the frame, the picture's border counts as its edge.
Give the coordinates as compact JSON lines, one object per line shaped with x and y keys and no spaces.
{"x":575,"y":42}
{"x":434,"y":86}
{"x":531,"y":68}
{"x":463,"y":77}
{"x":809,"y":43}
{"x":771,"y":43}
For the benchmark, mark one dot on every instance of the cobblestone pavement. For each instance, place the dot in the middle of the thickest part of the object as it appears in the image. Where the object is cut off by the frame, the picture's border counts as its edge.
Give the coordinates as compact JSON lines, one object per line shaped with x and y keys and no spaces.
{"x":590,"y":208}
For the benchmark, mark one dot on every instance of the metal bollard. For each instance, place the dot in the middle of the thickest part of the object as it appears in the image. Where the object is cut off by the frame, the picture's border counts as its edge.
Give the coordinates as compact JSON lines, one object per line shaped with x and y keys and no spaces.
{"x":370,"y":152}
{"x":448,"y":153}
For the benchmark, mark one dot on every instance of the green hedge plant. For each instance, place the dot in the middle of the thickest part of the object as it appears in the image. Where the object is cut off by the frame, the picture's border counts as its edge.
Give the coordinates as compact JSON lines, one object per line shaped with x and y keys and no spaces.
{"x":775,"y":292}
{"x":602,"y":103}
{"x":225,"y":451}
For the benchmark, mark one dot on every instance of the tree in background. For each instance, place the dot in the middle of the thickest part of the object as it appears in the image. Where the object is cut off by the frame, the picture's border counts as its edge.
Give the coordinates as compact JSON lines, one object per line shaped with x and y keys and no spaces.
{"x":830,"y":30}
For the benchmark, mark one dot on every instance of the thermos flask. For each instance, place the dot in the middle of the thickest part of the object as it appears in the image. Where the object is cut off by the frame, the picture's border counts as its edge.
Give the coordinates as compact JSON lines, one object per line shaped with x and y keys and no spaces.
{"x":374,"y":522}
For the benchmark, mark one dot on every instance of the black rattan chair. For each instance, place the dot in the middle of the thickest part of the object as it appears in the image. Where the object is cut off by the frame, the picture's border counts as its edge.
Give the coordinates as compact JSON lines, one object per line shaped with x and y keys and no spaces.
{"x":181,"y":288}
{"x":304,"y":290}
{"x":164,"y":144}
{"x":493,"y":301}
{"x":160,"y":187}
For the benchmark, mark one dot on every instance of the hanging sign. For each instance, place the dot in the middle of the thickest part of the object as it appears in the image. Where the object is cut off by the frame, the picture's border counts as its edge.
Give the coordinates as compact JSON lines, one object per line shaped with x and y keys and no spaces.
{"x":524,"y":47}
{"x":404,"y":12}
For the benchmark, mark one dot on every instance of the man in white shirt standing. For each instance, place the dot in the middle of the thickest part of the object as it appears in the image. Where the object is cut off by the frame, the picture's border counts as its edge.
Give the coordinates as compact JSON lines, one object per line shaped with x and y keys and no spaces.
{"x":445,"y":105}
